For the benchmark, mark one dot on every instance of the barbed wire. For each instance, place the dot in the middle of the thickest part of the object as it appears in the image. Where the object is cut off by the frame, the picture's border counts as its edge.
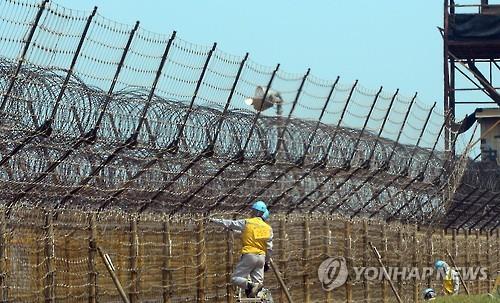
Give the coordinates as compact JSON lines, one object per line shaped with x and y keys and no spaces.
{"x":97,"y":115}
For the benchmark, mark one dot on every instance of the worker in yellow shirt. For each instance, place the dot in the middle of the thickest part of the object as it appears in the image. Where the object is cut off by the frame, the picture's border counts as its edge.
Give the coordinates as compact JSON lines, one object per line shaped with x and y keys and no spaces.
{"x":257,"y":240}
{"x":451,"y":280}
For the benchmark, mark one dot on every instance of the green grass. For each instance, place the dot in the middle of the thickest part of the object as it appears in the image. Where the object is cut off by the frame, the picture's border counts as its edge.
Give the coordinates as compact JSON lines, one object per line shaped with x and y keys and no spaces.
{"x":467,"y":299}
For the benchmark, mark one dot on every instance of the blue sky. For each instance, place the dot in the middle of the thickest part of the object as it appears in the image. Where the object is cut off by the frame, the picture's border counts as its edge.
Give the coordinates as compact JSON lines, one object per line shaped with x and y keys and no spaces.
{"x":378,"y":42}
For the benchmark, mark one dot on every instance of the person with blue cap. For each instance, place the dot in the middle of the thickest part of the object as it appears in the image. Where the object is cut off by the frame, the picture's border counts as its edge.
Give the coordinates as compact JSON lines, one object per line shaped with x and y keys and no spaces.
{"x":257,"y":241}
{"x":451,"y":280}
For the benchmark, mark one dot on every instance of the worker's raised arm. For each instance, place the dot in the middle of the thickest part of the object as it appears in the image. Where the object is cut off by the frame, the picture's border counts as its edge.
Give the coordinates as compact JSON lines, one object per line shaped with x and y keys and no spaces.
{"x":456,"y":282}
{"x":269,"y":247}
{"x":234,"y":225}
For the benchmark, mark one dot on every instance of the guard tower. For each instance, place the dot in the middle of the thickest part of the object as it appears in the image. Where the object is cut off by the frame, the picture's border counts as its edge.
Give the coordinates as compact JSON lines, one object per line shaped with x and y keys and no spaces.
{"x":471,"y":37}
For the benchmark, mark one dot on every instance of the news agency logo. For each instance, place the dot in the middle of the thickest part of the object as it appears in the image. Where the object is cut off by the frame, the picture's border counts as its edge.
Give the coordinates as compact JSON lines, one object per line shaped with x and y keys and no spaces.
{"x":332,"y":273}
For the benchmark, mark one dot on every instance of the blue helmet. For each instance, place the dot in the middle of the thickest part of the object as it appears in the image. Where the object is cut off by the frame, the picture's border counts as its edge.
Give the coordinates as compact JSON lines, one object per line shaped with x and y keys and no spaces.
{"x":265,"y":215}
{"x":429,"y":294}
{"x":260,"y":206}
{"x":439,"y":264}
